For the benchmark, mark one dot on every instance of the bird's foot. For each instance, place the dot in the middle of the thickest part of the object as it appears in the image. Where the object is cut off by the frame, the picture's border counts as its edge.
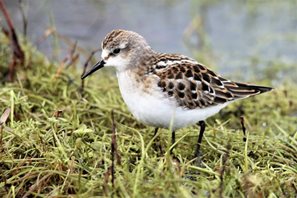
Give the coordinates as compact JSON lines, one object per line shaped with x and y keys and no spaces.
{"x":198,"y":159}
{"x":158,"y":148}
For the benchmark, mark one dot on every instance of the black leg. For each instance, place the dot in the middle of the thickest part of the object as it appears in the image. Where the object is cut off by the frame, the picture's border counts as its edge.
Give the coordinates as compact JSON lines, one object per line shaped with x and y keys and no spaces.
{"x":202,"y":129}
{"x":156,"y":131}
{"x":156,"y":144}
{"x":172,"y":141}
{"x":243,"y":128}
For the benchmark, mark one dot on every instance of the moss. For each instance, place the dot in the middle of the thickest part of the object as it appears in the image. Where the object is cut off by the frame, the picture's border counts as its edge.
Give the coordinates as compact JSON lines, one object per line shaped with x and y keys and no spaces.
{"x":58,"y":142}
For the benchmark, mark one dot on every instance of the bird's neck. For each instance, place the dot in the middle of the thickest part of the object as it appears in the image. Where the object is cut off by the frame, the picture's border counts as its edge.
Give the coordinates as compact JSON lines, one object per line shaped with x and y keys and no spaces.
{"x":140,"y":62}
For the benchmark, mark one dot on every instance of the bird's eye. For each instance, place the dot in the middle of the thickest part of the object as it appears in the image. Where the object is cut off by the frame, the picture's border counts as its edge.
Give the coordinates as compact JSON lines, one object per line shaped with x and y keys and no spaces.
{"x":116,"y":51}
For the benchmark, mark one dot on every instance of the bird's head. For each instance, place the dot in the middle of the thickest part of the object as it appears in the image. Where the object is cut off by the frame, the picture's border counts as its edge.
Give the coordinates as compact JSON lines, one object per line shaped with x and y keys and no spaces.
{"x":121,"y":49}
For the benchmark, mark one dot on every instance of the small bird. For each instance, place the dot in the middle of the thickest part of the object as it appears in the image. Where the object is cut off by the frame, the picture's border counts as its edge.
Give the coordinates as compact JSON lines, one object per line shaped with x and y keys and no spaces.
{"x":167,"y":90}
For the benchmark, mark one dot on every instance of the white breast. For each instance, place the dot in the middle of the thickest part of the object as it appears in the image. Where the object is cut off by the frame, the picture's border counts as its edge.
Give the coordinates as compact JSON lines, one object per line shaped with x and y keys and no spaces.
{"x":154,"y":109}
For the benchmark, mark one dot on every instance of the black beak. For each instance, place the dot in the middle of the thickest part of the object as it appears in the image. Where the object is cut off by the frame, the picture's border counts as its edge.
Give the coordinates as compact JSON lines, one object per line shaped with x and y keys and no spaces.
{"x":96,"y":67}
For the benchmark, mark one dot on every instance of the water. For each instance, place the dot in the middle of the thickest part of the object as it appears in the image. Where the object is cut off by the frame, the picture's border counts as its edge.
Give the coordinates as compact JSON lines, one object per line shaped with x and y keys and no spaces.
{"x":236,"y":32}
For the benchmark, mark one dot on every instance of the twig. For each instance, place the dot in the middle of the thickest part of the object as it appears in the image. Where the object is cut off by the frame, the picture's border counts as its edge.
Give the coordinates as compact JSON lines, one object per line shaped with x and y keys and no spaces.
{"x":3,"y":119}
{"x":113,"y":148}
{"x":4,"y":30}
{"x":37,"y":185}
{"x":71,"y":57}
{"x":4,"y":116}
{"x":24,"y":17}
{"x":243,"y":128}
{"x":48,"y":32}
{"x":85,"y":69}
{"x":223,"y":169}
{"x":114,"y":157}
{"x":18,"y":54}
{"x":105,"y":181}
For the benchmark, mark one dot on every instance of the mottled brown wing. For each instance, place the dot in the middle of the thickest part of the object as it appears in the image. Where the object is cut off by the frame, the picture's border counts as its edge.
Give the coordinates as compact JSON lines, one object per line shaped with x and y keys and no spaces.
{"x":195,"y":86}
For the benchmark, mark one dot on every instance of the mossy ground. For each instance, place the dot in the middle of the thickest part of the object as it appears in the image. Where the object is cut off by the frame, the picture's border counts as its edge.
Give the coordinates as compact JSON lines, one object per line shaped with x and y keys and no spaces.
{"x":57,"y":142}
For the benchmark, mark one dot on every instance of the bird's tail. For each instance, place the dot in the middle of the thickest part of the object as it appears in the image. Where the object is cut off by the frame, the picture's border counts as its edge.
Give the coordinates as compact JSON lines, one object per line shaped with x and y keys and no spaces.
{"x":242,"y":90}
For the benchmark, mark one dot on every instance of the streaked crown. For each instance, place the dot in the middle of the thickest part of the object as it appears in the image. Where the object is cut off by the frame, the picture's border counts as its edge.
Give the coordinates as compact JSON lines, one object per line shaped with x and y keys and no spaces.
{"x":122,"y":48}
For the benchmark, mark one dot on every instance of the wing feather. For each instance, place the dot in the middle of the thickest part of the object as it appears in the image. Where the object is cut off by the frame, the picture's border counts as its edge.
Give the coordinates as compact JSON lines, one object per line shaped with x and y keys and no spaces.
{"x":195,"y":86}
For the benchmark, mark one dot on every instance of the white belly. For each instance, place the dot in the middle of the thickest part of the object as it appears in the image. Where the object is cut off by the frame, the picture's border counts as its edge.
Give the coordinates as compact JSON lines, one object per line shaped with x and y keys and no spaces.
{"x":155,"y":109}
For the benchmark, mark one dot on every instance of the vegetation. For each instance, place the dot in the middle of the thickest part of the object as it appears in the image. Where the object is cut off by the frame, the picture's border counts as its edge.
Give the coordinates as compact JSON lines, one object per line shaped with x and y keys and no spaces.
{"x":57,"y":141}
{"x":60,"y":136}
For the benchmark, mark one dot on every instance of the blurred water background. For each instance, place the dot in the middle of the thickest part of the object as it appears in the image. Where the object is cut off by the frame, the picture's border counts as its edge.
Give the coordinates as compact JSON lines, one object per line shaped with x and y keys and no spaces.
{"x":232,"y":35}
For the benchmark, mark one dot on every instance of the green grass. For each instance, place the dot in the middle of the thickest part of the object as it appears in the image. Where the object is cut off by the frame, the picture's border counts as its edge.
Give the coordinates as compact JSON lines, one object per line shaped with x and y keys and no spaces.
{"x":45,"y":154}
